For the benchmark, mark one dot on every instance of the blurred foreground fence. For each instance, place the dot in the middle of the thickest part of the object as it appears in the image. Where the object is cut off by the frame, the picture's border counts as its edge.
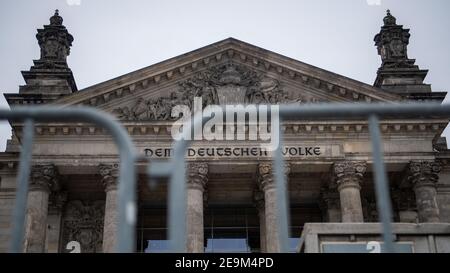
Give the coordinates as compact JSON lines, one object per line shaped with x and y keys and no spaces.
{"x":177,"y":188}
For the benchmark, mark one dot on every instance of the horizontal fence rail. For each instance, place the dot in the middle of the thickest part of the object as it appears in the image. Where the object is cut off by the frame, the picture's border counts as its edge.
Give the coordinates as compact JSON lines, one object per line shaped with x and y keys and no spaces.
{"x":177,"y":186}
{"x":370,"y":111}
{"x":127,"y":176}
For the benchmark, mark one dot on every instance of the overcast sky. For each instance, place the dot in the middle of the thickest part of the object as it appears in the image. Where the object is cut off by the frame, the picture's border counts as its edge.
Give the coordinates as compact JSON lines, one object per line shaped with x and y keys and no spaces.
{"x":115,"y":37}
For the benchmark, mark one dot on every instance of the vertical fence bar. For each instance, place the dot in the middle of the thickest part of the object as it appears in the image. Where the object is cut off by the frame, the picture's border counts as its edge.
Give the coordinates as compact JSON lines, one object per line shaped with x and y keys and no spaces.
{"x":126,"y":201}
{"x":177,"y":191}
{"x":127,"y":179}
{"x":177,"y":200}
{"x":281,"y":186}
{"x":381,"y":184}
{"x":23,"y":177}
{"x":177,"y":206}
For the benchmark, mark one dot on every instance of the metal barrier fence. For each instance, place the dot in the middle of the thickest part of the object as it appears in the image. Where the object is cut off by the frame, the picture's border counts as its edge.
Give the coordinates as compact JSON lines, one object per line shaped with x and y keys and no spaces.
{"x":177,"y":188}
{"x":127,"y":176}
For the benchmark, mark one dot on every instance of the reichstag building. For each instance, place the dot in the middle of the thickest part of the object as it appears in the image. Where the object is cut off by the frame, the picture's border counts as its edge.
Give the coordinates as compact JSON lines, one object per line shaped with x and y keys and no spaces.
{"x":231,"y":193}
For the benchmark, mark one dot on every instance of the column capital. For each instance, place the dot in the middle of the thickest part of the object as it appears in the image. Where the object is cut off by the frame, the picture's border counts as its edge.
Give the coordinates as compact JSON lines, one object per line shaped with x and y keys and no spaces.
{"x":349,"y":173}
{"x":265,"y":175}
{"x":110,"y":174}
{"x":423,"y":173}
{"x":44,"y":177}
{"x":197,"y":173}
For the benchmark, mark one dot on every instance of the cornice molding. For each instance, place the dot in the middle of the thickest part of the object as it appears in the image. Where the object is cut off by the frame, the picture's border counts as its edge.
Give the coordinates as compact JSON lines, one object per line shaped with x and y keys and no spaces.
{"x":288,"y":127}
{"x":239,"y":52}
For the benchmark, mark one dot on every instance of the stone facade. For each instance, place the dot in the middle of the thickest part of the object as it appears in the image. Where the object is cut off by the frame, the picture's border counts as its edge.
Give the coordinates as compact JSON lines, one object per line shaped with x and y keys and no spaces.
{"x":73,"y":182}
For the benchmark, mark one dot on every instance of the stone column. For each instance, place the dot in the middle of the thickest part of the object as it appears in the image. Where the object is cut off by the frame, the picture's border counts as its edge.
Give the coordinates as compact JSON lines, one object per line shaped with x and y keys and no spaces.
{"x":258,"y":198}
{"x":266,"y":184}
{"x":55,"y":212}
{"x":330,"y":205}
{"x":43,"y":180}
{"x":423,"y":176}
{"x":197,"y":177}
{"x":348,"y":176}
{"x":109,"y":175}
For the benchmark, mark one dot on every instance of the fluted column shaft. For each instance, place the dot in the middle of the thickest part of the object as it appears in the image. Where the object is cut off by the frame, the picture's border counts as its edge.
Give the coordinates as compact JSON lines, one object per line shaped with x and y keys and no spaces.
{"x":267,"y":185}
{"x":109,"y":174}
{"x":197,"y":177}
{"x":349,"y":176}
{"x":43,"y":181}
{"x":424,"y":176}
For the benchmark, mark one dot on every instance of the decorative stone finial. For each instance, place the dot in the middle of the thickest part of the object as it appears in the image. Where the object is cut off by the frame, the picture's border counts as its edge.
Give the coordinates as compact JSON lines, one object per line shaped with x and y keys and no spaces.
{"x":56,"y":20}
{"x":392,"y":43}
{"x":389,"y":20}
{"x":55,"y":42}
{"x":50,"y":77}
{"x":397,"y":70}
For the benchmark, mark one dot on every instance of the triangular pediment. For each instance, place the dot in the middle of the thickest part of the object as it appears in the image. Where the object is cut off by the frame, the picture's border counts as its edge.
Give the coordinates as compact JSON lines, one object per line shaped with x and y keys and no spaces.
{"x":227,"y":72}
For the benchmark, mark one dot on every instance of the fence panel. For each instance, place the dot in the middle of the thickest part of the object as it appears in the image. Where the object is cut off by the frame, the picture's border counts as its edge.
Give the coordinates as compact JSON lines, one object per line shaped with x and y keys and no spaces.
{"x":177,"y":186}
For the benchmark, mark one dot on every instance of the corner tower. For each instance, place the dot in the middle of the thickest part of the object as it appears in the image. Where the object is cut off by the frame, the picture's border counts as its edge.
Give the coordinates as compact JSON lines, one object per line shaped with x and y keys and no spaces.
{"x":50,"y":77}
{"x":398,"y":73}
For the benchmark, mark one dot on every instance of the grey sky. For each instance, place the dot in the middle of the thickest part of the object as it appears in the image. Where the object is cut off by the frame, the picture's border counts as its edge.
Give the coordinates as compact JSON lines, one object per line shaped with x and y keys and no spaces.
{"x":115,"y":37}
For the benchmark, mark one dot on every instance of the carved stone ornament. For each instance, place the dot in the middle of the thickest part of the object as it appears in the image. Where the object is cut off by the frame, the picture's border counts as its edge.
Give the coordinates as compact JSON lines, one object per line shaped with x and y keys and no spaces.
{"x":265,"y":178}
{"x":55,"y":42}
{"x":265,"y":175}
{"x":44,"y":177}
{"x":109,"y":174}
{"x":83,"y":223}
{"x":392,"y":43}
{"x":197,"y":173}
{"x":349,"y":173}
{"x":423,"y":173}
{"x":255,"y":89}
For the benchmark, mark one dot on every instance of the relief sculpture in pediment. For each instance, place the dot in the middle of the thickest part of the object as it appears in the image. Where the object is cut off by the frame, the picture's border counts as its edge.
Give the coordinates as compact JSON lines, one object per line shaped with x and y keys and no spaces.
{"x":225,"y":84}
